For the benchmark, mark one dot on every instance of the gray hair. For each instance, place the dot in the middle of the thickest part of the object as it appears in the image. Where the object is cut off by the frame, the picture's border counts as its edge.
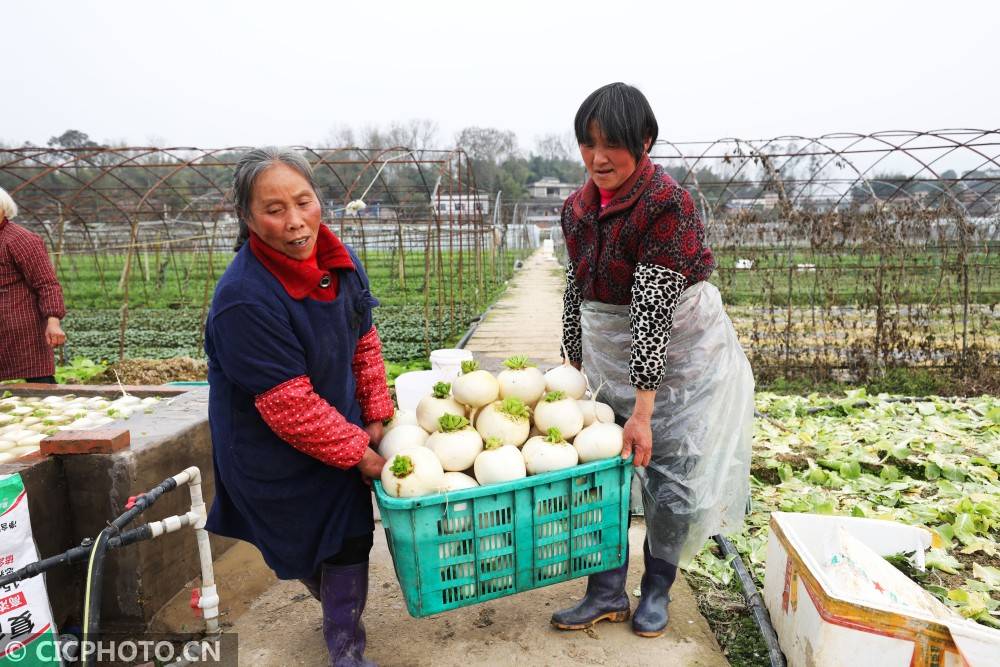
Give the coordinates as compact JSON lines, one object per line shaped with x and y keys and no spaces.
{"x":8,"y":209}
{"x":250,"y":166}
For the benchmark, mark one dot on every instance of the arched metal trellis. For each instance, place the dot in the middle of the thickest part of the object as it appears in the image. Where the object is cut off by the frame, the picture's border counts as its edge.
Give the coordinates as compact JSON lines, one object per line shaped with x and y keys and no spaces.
{"x":845,"y":254}
{"x":139,"y":237}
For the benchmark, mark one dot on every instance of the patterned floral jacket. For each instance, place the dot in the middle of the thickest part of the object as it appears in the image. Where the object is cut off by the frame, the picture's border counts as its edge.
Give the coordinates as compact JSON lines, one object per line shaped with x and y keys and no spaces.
{"x":643,"y":249}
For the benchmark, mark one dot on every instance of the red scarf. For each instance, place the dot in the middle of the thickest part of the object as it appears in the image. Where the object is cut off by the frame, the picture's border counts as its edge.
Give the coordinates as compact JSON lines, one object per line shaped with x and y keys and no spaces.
{"x":590,"y":197}
{"x":304,"y":278}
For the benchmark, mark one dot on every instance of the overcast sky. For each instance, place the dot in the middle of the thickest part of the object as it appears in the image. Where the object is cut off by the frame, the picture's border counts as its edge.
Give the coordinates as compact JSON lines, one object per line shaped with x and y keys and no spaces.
{"x":220,"y":73}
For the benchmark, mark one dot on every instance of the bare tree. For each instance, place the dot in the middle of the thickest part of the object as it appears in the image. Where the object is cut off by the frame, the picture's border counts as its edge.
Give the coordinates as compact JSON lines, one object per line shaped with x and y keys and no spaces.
{"x":488,"y":144}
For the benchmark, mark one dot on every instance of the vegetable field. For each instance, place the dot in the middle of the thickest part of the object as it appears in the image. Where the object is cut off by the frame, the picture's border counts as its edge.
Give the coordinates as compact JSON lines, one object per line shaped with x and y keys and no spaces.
{"x":166,"y":312}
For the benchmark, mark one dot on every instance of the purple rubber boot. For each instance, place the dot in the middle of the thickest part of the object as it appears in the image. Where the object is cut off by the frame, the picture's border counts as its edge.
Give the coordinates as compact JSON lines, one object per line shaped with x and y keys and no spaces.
{"x":343,"y":594}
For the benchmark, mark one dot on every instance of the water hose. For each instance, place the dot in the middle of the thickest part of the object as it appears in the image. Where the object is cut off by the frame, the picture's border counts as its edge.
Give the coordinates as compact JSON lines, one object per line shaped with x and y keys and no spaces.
{"x":95,"y":566}
{"x":754,"y":602}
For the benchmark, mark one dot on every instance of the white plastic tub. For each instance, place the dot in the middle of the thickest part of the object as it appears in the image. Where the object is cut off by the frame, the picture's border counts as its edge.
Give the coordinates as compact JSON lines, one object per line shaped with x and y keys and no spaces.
{"x":447,"y":362}
{"x":834,"y":601}
{"x":412,"y":386}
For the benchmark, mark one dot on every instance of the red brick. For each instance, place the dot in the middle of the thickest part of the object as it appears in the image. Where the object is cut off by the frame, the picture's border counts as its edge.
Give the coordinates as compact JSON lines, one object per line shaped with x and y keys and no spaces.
{"x":94,"y":441}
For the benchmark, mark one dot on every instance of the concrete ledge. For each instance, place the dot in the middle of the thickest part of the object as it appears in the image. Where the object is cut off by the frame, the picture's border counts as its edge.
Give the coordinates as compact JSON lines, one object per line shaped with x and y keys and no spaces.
{"x":74,"y":497}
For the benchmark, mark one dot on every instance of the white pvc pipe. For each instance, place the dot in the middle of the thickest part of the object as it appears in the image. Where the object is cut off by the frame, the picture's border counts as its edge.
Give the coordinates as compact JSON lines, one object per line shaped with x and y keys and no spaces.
{"x":209,"y":601}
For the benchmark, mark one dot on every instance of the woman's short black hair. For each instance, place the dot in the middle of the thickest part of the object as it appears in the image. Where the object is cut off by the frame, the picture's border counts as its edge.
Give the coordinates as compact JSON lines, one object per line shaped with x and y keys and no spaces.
{"x":623,"y":114}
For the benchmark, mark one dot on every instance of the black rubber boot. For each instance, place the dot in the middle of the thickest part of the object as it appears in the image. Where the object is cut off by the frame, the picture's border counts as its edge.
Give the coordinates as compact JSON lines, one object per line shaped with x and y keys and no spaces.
{"x":605,"y":600}
{"x":651,"y":616}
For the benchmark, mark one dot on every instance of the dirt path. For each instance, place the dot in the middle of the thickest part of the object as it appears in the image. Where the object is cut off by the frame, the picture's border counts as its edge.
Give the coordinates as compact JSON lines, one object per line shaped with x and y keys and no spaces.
{"x":282,"y":627}
{"x":527,"y":319}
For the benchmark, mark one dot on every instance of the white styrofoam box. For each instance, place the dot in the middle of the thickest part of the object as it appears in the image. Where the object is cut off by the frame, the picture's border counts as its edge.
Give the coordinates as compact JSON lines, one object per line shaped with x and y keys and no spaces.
{"x":834,"y":601}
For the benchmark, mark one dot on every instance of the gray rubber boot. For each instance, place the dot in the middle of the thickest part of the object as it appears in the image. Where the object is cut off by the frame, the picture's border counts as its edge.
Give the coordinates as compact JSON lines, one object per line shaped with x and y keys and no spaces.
{"x":605,"y":600}
{"x":651,"y":616}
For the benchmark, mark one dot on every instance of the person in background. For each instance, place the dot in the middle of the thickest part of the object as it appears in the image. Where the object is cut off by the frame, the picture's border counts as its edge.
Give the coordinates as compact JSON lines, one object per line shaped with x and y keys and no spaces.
{"x":297,"y":395}
{"x":31,"y":301}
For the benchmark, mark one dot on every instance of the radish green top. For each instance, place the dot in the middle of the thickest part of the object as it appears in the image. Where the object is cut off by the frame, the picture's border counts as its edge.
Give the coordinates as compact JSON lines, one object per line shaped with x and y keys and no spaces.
{"x":555,"y":437}
{"x":469,"y":367}
{"x":442,"y":390}
{"x":450,"y":423}
{"x":493,"y":442}
{"x":554,"y":396}
{"x":401,"y":466}
{"x":514,"y":407}
{"x":518,"y":363}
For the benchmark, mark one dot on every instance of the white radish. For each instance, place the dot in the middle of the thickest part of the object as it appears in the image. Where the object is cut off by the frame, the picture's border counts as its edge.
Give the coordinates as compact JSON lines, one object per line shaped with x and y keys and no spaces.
{"x":595,"y":411}
{"x":522,"y":380}
{"x":599,"y":441}
{"x":18,"y":452}
{"x":557,"y":410}
{"x":475,"y":388}
{"x":456,"y":481}
{"x":6,"y":444}
{"x":499,"y":463}
{"x":415,"y":472}
{"x":18,"y":436}
{"x":545,"y":454}
{"x":509,"y":420}
{"x":6,"y":456}
{"x":431,"y":408}
{"x":401,"y":417}
{"x":30,"y":441}
{"x":566,"y":379}
{"x":127,"y":400}
{"x":400,"y":439}
{"x":456,"y":443}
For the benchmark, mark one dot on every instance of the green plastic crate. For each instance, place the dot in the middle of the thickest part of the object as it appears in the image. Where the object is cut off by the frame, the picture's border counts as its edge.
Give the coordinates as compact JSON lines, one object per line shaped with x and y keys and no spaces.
{"x":464,"y":547}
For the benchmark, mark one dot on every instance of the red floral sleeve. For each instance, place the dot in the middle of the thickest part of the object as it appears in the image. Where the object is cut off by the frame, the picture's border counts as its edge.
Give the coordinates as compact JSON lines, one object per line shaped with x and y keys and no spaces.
{"x":308,"y":423}
{"x":369,"y":375}
{"x":676,"y":240}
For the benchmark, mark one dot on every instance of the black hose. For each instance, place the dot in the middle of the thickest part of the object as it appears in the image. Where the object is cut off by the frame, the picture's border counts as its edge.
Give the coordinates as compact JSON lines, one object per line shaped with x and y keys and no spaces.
{"x":95,"y":571}
{"x":754,"y":601}
{"x":472,"y":328}
{"x":75,"y":555}
{"x":92,"y":595}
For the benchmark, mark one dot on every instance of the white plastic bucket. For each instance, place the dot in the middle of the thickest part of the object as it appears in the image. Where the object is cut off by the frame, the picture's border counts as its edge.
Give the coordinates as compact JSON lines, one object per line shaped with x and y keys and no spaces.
{"x":447,"y":362}
{"x":412,"y":386}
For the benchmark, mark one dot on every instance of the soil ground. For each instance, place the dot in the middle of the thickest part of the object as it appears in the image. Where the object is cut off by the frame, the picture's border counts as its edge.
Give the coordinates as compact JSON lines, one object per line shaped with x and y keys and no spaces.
{"x":282,"y":626}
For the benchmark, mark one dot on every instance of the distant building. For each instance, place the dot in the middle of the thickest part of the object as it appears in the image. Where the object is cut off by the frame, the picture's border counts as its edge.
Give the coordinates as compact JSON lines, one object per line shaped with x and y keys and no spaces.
{"x":462,"y":204}
{"x":551,"y":188}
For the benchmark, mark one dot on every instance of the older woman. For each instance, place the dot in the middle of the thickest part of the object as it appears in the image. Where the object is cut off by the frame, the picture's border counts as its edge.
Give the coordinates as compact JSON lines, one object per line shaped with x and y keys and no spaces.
{"x":31,"y":302}
{"x":641,"y":318}
{"x":297,"y":395}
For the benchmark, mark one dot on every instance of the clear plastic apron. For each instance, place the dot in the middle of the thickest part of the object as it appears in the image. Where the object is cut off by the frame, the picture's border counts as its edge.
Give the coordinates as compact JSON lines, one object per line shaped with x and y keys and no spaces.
{"x":698,"y":481}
